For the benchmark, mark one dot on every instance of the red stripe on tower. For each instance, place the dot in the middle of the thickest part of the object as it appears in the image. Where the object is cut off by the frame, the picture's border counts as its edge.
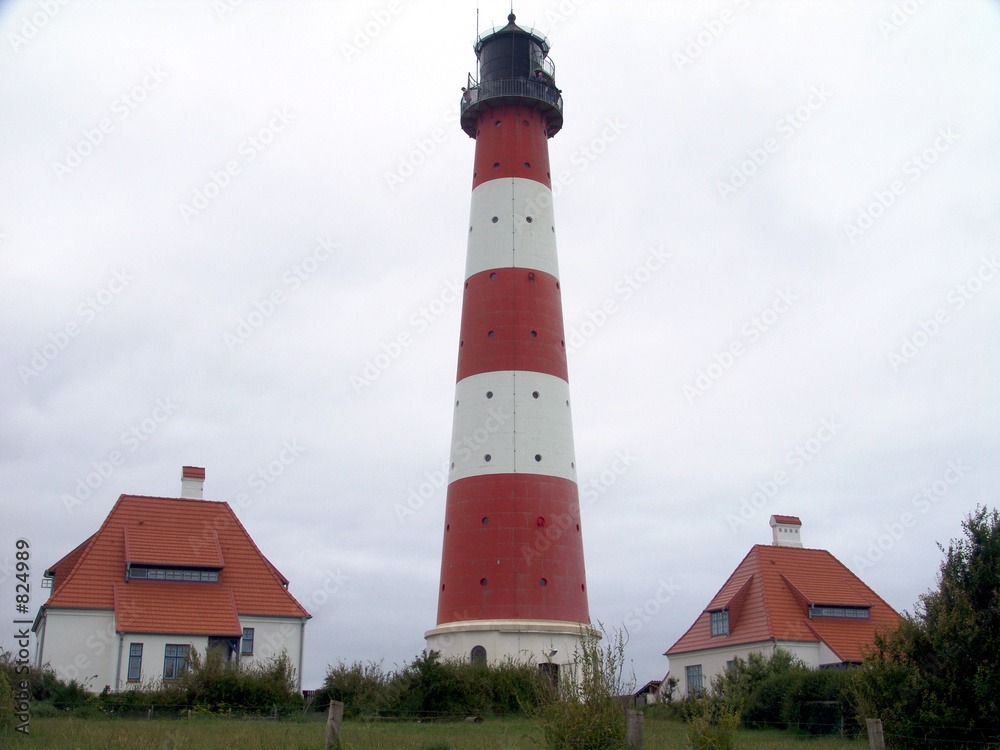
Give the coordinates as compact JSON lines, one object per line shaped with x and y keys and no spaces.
{"x":512,"y":572}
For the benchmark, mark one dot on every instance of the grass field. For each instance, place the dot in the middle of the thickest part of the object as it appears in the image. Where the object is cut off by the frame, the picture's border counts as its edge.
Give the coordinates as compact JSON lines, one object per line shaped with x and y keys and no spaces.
{"x":68,"y":733}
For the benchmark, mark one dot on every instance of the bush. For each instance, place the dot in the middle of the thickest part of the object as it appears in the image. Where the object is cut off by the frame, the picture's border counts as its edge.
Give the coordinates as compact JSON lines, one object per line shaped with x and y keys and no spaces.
{"x":217,"y":684}
{"x":6,"y":705}
{"x":590,"y":713}
{"x":429,"y":686}
{"x":755,"y":687}
{"x":712,"y":724}
{"x":780,"y":691}
{"x":362,"y":688}
{"x":69,"y":696}
{"x":820,"y":702}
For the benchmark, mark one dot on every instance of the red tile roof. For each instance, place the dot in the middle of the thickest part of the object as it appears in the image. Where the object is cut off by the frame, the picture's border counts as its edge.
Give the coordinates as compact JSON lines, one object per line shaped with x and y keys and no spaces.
{"x":793,"y":520}
{"x":172,"y":532}
{"x":170,"y":547}
{"x":768,"y":598}
{"x":141,"y":607}
{"x":61,"y":569}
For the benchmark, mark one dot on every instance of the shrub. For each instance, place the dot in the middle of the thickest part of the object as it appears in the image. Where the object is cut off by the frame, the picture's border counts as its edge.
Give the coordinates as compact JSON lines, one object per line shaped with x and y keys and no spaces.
{"x":712,"y":724}
{"x":590,"y":713}
{"x":754,"y":688}
{"x":820,"y":702}
{"x":362,"y":688}
{"x":429,"y":686}
{"x":6,"y":705}
{"x":217,"y":684}
{"x":69,"y":696}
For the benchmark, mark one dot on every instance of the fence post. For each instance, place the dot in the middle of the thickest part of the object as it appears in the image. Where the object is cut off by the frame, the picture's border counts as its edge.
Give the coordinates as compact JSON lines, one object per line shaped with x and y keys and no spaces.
{"x":633,"y":730}
{"x":333,"y":718}
{"x":876,"y":739}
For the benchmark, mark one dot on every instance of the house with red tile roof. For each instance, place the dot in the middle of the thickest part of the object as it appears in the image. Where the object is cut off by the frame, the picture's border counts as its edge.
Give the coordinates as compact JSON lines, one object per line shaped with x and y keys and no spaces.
{"x":784,"y":596}
{"x":160,"y":577}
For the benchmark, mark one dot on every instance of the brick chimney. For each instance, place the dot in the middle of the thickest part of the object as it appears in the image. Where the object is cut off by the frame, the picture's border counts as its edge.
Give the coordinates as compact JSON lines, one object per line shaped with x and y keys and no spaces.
{"x":192,"y":482}
{"x":785,"y":531}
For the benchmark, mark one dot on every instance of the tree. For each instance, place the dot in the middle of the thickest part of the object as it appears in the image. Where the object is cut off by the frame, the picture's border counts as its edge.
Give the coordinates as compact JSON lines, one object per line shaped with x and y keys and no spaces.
{"x":936,"y":680}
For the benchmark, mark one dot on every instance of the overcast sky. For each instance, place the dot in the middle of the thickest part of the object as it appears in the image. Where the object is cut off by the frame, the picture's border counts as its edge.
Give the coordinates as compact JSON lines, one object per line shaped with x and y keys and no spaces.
{"x":231,"y":231}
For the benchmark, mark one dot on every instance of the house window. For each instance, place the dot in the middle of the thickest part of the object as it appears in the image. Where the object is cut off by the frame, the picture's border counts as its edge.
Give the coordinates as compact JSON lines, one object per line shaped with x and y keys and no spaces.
{"x":135,"y":662}
{"x":720,"y":622}
{"x":175,"y":661}
{"x":694,"y":680}
{"x":860,"y":613}
{"x":246,"y":649}
{"x":173,"y":574}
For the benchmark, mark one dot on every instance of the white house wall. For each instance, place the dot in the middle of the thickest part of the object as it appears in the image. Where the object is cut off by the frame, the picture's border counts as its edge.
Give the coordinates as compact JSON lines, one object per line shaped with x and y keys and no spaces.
{"x":153,"y":653}
{"x":272,"y":635}
{"x":81,"y":645}
{"x":713,"y":661}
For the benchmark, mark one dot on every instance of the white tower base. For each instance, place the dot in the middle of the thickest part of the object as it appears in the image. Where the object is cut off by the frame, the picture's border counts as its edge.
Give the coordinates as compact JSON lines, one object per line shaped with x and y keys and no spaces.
{"x":521,"y":641}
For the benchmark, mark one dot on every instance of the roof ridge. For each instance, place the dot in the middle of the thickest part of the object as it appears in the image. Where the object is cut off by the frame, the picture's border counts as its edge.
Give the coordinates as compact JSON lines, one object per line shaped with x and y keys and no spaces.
{"x":176,"y":499}
{"x":90,"y":546}
{"x":763,"y":587}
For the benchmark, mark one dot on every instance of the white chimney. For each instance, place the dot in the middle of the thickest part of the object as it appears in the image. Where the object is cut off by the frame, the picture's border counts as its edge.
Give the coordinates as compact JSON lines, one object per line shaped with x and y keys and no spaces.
{"x":785,"y":531}
{"x":192,"y":482}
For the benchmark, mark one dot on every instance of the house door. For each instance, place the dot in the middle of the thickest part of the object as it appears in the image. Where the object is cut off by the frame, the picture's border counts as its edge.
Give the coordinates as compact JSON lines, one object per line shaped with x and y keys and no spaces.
{"x":228,"y":646}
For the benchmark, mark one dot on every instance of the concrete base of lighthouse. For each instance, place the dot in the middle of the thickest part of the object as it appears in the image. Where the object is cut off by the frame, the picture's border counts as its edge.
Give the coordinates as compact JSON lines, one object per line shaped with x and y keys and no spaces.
{"x":522,"y":641}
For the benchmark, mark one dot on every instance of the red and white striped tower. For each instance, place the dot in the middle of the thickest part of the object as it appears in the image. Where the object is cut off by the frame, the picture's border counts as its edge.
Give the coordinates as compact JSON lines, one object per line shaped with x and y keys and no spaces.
{"x":512,"y":573}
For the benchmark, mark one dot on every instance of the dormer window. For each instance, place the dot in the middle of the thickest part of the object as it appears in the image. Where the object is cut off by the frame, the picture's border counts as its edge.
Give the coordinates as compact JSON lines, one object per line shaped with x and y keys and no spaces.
{"x":720,"y":622}
{"x":173,"y":574}
{"x":821,"y":610}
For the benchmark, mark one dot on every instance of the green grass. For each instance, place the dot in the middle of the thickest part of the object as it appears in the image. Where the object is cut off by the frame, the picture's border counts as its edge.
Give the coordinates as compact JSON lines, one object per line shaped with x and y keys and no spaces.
{"x":206,"y":733}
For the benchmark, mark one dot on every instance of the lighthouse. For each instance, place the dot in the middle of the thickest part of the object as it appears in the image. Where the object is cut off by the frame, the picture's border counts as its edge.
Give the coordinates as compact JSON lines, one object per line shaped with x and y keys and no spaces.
{"x":512,"y":571}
